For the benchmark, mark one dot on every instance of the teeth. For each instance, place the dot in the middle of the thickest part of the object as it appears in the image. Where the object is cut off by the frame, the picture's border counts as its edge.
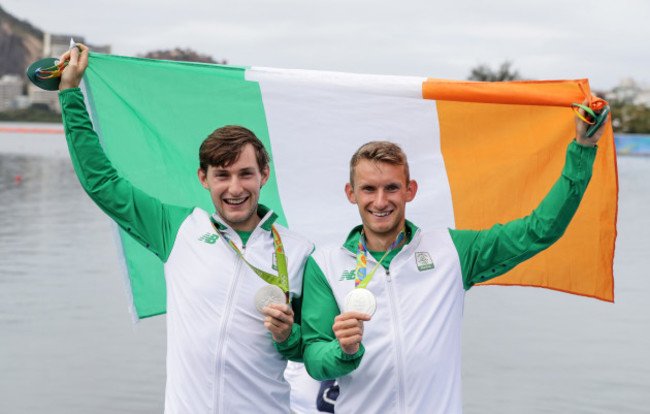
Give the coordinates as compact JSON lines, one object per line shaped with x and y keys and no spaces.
{"x":382,"y":214}
{"x":235,"y":201}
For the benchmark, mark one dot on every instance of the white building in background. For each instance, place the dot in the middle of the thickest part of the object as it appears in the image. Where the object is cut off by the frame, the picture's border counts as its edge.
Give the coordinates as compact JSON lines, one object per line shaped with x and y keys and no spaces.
{"x":11,"y":87}
{"x":56,"y":45}
{"x":629,"y":91}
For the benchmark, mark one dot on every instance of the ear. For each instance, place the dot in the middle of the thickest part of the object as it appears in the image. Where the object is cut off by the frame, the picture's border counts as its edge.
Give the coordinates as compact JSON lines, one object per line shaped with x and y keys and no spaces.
{"x":266,"y":172}
{"x":203,"y":178}
{"x":349,"y":192}
{"x":411,"y":190}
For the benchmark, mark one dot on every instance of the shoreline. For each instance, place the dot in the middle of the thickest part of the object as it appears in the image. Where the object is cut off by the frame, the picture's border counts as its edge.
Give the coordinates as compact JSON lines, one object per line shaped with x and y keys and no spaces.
{"x":31,"y":130}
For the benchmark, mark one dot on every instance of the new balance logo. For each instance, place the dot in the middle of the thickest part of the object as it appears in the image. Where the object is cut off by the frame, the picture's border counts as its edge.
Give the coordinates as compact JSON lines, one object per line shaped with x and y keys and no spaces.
{"x":347,"y":275}
{"x":209,"y":238}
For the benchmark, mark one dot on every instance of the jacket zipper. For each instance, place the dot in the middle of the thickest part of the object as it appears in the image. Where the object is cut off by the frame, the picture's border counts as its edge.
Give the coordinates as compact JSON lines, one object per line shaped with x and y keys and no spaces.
{"x":220,"y":366}
{"x":401,"y":393}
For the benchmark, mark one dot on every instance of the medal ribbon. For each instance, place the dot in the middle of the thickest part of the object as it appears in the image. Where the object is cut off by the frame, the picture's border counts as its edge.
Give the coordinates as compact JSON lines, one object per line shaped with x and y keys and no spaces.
{"x":282,"y":279}
{"x":362,"y":279}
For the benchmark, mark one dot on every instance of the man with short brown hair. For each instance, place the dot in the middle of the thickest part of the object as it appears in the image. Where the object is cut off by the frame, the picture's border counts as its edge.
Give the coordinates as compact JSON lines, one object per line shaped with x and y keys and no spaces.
{"x":220,"y":356}
{"x":382,"y":314}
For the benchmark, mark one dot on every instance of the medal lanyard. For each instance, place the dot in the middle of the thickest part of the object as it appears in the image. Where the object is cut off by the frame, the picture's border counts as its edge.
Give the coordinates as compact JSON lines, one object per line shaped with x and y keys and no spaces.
{"x":361,"y":280}
{"x":282,"y":279}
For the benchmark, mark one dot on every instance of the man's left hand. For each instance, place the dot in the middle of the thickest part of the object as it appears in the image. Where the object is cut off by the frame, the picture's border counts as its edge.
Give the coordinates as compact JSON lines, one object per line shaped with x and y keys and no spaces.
{"x":278,"y":320}
{"x":581,"y":129}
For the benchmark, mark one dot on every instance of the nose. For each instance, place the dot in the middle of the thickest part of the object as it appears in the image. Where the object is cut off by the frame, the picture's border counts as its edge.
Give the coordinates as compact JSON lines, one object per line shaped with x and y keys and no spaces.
{"x":235,"y":188}
{"x":381,"y":200}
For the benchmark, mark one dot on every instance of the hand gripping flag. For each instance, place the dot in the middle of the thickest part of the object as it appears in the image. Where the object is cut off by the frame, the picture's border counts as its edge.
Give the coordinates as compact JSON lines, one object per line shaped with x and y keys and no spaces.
{"x":482,"y":153}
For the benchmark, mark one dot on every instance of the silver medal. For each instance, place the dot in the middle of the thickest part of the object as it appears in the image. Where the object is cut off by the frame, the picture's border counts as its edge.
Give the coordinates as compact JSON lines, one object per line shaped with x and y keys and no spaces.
{"x":268,"y":294}
{"x":360,"y":300}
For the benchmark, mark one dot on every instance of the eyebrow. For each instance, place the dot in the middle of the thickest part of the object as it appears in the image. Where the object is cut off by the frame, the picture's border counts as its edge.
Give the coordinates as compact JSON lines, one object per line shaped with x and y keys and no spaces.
{"x":225,"y":169}
{"x":389,"y":184}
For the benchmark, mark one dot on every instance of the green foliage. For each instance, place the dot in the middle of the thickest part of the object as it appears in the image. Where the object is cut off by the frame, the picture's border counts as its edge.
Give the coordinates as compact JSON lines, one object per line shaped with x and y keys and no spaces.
{"x":629,"y":118}
{"x":35,"y":113}
{"x":483,"y":73}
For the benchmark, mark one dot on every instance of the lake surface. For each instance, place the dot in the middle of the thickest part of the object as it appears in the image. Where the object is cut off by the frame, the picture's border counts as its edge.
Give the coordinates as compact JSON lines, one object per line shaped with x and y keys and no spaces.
{"x":67,"y":343}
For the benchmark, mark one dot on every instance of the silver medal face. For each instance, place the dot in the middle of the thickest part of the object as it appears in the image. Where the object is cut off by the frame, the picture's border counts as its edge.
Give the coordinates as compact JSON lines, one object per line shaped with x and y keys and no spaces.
{"x":360,"y":300}
{"x":268,"y":294}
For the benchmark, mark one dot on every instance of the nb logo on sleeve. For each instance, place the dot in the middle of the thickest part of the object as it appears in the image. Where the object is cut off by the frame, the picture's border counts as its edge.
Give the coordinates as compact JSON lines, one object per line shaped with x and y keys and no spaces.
{"x":209,"y":238}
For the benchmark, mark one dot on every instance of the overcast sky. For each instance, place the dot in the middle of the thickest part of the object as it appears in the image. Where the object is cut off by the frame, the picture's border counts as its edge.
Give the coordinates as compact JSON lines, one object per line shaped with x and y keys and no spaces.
{"x":603,"y":40}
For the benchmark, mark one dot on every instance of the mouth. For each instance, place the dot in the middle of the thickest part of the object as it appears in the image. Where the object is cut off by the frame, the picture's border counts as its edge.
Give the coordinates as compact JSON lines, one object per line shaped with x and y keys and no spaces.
{"x":235,"y":201}
{"x":381,"y":214}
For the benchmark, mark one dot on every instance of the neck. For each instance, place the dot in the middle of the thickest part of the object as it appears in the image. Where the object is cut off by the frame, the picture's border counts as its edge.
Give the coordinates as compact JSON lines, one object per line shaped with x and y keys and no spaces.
{"x":381,"y":242}
{"x":248,"y":225}
{"x":243,"y":228}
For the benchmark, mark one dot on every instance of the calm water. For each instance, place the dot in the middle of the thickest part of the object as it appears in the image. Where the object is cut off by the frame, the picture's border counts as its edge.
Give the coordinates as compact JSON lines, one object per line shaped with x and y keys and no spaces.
{"x":68,"y":345}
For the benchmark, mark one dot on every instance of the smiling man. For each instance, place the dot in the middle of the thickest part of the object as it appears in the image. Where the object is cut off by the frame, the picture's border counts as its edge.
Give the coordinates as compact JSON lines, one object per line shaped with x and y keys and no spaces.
{"x":383,"y":312}
{"x":220,"y":355}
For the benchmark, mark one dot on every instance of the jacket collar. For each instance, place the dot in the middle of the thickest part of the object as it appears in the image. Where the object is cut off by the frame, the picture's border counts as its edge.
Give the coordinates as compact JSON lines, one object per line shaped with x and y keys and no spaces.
{"x":267,"y":215}
{"x":352,"y":241}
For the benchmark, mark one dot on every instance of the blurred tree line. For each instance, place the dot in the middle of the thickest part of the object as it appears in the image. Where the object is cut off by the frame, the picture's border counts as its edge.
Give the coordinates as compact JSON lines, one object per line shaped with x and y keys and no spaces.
{"x":35,"y":113}
{"x":630,"y":118}
{"x":484,"y":73}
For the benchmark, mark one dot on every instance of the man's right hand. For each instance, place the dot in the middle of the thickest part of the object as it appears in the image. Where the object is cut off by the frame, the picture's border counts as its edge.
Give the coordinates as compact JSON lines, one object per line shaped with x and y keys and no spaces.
{"x":77,"y":64}
{"x":348,"y":328}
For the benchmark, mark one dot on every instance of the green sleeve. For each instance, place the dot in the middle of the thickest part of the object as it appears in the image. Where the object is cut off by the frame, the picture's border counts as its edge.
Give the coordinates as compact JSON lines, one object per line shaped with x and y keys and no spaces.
{"x":149,"y":221}
{"x":486,"y":254}
{"x":291,"y":348}
{"x":324,"y":358}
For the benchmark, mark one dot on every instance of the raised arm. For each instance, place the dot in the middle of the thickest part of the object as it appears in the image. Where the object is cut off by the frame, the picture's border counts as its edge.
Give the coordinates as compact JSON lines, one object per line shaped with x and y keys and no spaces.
{"x":486,"y":254}
{"x":152,"y":223}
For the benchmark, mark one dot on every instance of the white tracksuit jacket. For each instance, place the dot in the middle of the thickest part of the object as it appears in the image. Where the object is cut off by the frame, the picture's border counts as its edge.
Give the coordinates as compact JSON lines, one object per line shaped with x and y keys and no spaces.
{"x":220,"y":357}
{"x":411,"y":361}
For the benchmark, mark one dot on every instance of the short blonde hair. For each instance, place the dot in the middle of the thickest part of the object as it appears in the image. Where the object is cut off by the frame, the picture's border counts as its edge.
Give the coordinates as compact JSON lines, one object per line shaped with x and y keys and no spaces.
{"x":379,"y":151}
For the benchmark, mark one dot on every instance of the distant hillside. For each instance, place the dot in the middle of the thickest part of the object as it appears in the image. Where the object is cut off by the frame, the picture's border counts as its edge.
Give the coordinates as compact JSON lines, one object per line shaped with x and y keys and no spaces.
{"x":20,"y":44}
{"x":184,"y":55}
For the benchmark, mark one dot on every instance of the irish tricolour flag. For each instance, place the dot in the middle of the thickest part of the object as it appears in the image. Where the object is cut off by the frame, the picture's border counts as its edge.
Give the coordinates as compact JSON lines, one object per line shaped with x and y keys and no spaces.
{"x":482,"y":153}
